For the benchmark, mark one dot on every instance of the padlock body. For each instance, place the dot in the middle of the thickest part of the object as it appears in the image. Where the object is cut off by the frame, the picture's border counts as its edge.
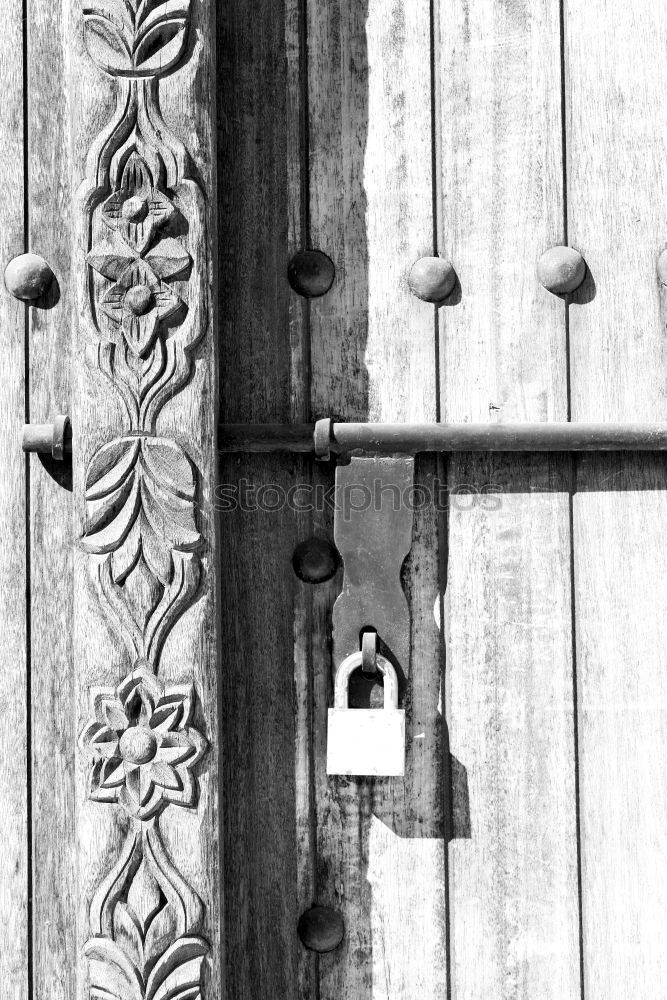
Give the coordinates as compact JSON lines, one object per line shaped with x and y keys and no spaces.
{"x":366,"y":741}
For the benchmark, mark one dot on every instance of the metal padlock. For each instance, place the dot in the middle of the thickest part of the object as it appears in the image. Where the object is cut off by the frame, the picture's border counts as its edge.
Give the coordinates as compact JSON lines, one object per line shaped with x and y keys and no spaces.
{"x":368,"y":741}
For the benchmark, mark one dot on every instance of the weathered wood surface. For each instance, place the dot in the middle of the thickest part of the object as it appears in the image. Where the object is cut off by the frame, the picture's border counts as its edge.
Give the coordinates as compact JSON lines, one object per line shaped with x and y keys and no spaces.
{"x":379,"y":853}
{"x":325,"y":140}
{"x":509,"y":690}
{"x":14,"y":704}
{"x":52,"y":687}
{"x":146,"y":564}
{"x":616,"y":74}
{"x":259,"y":222}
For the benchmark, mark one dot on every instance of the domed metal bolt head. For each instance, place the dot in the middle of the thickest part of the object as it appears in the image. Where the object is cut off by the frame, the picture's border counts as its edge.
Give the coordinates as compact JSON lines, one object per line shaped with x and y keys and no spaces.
{"x":321,"y":929}
{"x":432,"y":279}
{"x":311,"y":273}
{"x":662,"y":267}
{"x":315,"y":560}
{"x":561,"y":270}
{"x":28,"y":276}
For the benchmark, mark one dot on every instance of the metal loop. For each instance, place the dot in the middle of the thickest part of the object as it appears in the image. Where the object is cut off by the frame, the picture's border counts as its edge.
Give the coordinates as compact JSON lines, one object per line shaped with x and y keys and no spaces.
{"x":369,"y":648}
{"x":347,"y":668}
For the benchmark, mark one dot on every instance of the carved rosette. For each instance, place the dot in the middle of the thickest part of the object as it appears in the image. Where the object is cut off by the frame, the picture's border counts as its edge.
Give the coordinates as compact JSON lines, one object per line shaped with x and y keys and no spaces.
{"x":141,"y":529}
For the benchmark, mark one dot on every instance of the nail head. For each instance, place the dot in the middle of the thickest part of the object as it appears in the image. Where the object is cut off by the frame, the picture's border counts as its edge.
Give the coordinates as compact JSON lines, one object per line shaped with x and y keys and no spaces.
{"x":28,"y":276}
{"x":432,"y":279}
{"x":321,"y":929}
{"x":311,"y":273}
{"x":561,"y":270}
{"x":315,"y":560}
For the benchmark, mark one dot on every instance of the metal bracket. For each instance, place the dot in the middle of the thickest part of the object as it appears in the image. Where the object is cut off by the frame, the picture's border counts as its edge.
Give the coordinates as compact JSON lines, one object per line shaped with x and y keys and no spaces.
{"x":373,"y":533}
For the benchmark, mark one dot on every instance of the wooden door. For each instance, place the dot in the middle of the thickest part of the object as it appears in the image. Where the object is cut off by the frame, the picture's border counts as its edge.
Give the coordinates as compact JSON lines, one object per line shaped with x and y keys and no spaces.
{"x":189,"y":150}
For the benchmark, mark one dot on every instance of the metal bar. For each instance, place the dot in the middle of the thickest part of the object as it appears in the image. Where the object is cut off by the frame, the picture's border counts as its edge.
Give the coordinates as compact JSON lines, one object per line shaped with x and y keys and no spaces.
{"x":409,"y":439}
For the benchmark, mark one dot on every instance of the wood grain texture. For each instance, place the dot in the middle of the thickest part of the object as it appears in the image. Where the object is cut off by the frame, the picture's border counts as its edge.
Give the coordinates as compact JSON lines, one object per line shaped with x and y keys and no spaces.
{"x":259,"y":332}
{"x":509,"y":695}
{"x":51,"y":537}
{"x":617,"y":184}
{"x":14,"y":787}
{"x":146,"y":570}
{"x":380,"y":844}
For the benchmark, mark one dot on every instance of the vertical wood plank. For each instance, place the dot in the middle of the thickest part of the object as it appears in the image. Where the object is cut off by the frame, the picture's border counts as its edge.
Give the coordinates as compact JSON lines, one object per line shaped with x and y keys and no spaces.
{"x":14,"y":788}
{"x":51,"y":593}
{"x":259,"y":183}
{"x":509,"y":697}
{"x":146,"y":562}
{"x":380,"y":843}
{"x":617,"y":184}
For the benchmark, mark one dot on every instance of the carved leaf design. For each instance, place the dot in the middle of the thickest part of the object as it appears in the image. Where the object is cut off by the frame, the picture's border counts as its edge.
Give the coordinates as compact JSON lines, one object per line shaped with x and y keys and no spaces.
{"x":140,"y":503}
{"x":178,"y":973}
{"x":144,"y":924}
{"x":130,"y":39}
{"x":113,"y":975}
{"x":160,"y":48}
{"x":106,"y":44}
{"x":149,"y":14}
{"x":168,"y":258}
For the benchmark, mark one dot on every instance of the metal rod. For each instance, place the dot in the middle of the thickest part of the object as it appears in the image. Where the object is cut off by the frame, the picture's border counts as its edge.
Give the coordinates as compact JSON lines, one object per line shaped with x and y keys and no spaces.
{"x":409,"y":439}
{"x":405,"y":439}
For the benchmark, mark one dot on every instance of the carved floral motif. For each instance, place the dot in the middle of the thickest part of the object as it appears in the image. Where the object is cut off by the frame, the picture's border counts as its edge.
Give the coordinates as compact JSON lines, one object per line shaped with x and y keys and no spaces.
{"x":139,"y":205}
{"x":137,"y":37}
{"x":144,"y":921}
{"x":143,"y":745}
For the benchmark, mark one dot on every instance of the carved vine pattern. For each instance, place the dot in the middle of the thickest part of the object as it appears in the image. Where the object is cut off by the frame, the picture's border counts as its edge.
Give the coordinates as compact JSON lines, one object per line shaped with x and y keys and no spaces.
{"x":143,"y":289}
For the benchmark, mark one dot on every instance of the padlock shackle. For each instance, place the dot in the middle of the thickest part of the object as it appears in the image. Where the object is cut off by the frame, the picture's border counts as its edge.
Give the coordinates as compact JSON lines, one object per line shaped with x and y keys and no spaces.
{"x":352,"y":663}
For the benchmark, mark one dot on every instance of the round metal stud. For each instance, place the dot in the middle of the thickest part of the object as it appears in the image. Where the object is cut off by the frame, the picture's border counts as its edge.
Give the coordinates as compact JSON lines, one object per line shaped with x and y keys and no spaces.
{"x":311,"y":273}
{"x":561,"y":270}
{"x":432,"y":279}
{"x":315,"y":560}
{"x":28,"y":276}
{"x":662,"y":267}
{"x":321,"y":929}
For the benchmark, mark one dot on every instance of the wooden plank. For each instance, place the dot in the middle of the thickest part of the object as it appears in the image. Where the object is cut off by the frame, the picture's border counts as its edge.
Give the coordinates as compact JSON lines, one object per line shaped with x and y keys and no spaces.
{"x":14,"y":788}
{"x":260,"y":219}
{"x":617,"y":182}
{"x":509,"y":697}
{"x":379,"y":851}
{"x":51,"y":537}
{"x":146,"y":570}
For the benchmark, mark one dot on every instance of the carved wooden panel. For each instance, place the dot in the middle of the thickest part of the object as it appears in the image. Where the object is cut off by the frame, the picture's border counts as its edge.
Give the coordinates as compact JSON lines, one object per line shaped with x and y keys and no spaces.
{"x":144,"y":308}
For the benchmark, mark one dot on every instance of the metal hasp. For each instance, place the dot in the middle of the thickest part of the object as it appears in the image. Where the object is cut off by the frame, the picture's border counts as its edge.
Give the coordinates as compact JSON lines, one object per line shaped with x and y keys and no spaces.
{"x":326,"y":437}
{"x":373,"y":534}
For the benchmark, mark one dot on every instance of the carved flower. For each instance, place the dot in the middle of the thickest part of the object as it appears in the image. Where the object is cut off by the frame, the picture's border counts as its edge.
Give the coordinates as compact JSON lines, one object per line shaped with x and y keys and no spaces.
{"x":137,"y":209}
{"x":142,"y":745}
{"x":139,"y":301}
